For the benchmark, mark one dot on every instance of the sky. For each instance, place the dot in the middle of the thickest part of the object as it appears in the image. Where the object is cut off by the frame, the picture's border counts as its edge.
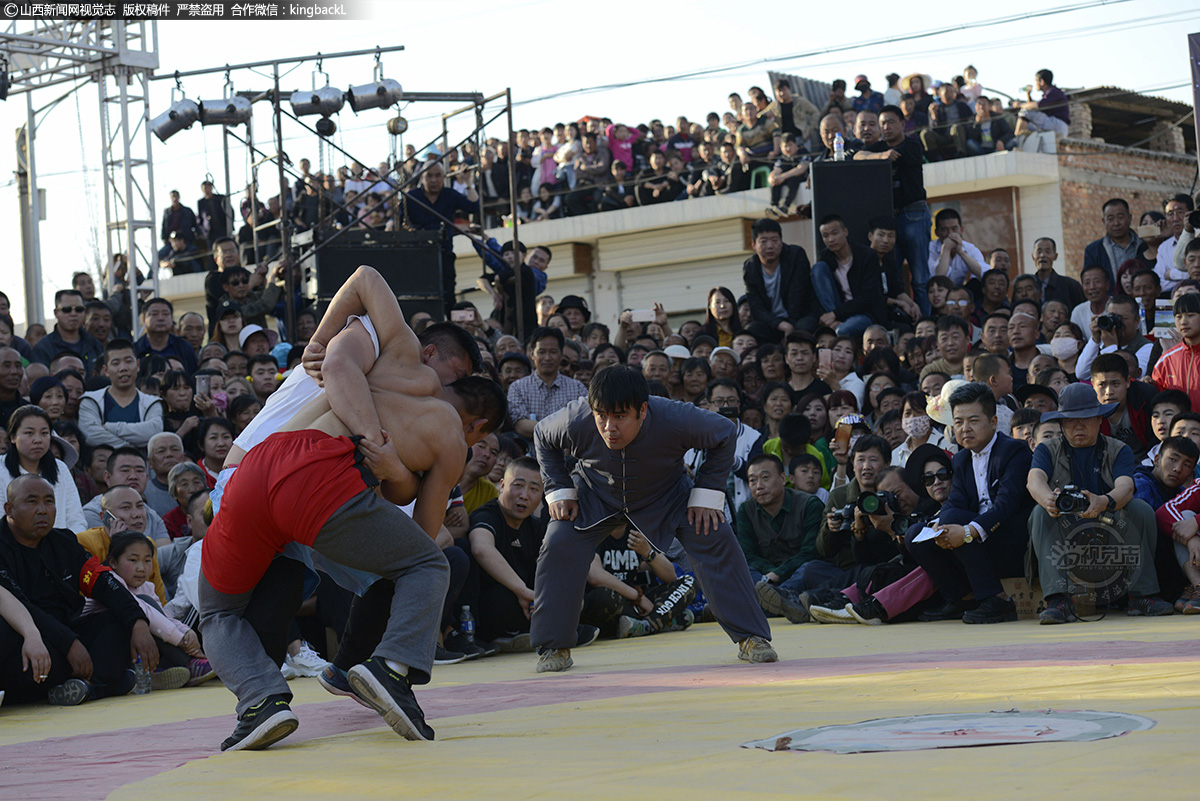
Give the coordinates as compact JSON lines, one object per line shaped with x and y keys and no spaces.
{"x":544,"y":47}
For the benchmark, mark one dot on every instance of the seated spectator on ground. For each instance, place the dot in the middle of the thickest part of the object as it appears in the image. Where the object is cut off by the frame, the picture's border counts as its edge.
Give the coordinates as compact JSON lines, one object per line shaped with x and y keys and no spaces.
{"x":505,"y":539}
{"x":847,"y":281}
{"x":1101,"y":469}
{"x":30,"y":436}
{"x":61,"y":575}
{"x":981,"y":531}
{"x":181,"y":661}
{"x":634,"y":589}
{"x":1130,"y":419}
{"x":777,"y":529}
{"x":216,"y":438}
{"x":123,"y":510}
{"x":1179,"y":366}
{"x":120,"y":415}
{"x":950,"y":254}
{"x":126,"y":466}
{"x":1164,"y":407}
{"x":184,"y":480}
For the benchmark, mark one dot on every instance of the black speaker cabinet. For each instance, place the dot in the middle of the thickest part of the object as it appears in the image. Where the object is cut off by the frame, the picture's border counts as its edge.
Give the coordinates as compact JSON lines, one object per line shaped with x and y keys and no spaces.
{"x":410,"y":261}
{"x":856,"y":191}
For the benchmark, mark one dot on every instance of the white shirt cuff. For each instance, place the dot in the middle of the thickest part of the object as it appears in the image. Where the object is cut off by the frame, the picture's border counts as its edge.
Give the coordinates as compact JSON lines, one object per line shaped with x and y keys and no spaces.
{"x":561,"y":495}
{"x":707,"y":498}
{"x":980,"y":534}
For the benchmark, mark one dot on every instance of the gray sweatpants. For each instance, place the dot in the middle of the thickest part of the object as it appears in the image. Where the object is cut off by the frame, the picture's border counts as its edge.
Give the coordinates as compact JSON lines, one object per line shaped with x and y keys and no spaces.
{"x":366,"y":533}
{"x":561,"y":579}
{"x":1141,"y":532}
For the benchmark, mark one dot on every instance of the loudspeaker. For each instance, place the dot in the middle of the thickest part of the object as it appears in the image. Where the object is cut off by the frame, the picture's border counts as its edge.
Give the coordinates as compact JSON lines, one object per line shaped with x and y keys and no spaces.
{"x":856,"y":191}
{"x":410,"y":262}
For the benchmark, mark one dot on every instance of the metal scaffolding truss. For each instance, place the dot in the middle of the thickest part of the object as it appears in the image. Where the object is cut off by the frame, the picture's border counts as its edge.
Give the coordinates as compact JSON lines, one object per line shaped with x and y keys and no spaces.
{"x":120,"y":57}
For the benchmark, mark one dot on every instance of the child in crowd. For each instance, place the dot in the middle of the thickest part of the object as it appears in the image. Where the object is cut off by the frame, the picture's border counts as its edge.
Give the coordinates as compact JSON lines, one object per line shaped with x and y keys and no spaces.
{"x":181,"y":661}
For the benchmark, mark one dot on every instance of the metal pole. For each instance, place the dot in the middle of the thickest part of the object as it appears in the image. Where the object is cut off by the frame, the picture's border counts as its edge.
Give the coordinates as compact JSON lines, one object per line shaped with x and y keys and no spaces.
{"x":479,"y":162}
{"x":225,"y":147}
{"x":142,"y":76}
{"x":289,"y":289}
{"x":297,"y":60}
{"x":512,"y":209}
{"x":30,"y":211}
{"x":131,"y":252}
{"x":106,"y":180}
{"x":253,"y":187}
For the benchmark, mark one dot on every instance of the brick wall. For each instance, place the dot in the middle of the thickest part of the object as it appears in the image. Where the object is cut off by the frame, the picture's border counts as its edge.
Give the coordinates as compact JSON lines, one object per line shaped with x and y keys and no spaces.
{"x":1091,"y":173}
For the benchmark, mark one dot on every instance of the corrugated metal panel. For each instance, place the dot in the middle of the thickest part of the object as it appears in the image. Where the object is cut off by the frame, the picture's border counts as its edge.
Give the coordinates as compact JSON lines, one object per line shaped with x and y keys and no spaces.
{"x":684,"y":243}
{"x":682,"y":288}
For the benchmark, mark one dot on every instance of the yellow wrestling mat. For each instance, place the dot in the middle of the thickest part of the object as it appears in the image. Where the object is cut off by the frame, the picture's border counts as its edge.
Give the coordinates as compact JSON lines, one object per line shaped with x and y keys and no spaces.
{"x":663,"y":717}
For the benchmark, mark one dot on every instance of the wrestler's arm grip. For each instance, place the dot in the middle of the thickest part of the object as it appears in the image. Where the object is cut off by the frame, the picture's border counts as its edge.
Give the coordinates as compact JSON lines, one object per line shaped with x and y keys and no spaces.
{"x":351,"y":357}
{"x":365,"y":292}
{"x":439,"y":480}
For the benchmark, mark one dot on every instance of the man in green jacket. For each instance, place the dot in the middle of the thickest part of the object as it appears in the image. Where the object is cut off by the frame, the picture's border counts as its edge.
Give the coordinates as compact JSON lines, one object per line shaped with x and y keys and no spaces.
{"x":777,"y":529}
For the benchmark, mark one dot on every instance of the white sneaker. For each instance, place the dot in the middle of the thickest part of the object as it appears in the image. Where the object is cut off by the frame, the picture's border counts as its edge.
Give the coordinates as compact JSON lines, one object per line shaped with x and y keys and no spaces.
{"x":306,"y":663}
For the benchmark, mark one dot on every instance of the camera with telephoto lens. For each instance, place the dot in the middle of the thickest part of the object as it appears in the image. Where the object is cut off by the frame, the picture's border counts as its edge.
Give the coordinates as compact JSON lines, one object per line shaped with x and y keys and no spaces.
{"x":845,"y":514}
{"x":877,"y":503}
{"x":1072,"y":501}
{"x":1110,"y":322}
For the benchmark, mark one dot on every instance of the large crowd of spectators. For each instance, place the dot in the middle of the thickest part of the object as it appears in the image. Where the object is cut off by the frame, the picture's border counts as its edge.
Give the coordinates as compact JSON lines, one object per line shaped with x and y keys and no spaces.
{"x":910,"y":422}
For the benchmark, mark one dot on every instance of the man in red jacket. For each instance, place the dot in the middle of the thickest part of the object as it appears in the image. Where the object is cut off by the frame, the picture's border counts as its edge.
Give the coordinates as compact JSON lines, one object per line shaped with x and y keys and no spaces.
{"x":1179,"y":367}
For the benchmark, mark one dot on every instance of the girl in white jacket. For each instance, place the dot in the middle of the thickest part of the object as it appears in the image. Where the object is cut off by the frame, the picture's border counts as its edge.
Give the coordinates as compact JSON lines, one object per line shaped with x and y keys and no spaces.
{"x":29,"y":436}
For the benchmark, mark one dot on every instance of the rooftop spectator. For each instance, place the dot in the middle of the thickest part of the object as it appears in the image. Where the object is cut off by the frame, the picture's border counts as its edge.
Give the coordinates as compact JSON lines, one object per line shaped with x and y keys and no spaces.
{"x":1050,"y":113}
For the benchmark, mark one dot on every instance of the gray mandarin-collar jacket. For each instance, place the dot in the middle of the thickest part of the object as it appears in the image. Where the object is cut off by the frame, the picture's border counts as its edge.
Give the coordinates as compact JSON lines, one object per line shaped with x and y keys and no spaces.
{"x":645,"y":481}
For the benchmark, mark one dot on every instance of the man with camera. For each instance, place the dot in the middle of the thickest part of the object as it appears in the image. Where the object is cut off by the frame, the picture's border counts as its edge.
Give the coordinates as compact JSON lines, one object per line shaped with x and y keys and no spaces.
{"x":1085,"y":476}
{"x":1117,"y":329}
{"x":981,"y":529}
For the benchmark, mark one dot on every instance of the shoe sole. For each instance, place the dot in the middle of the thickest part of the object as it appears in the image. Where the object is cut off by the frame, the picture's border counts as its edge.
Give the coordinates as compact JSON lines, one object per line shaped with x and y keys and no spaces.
{"x":203,"y":677}
{"x":271,"y":731}
{"x":371,"y":690}
{"x":1138,"y":613}
{"x":866,"y":621}
{"x":761,"y":658}
{"x":1007,"y":617}
{"x":170,"y":679}
{"x":513,"y":645}
{"x":774,"y":603}
{"x":1189,"y":610}
{"x":333,"y":689}
{"x":70,"y":693}
{"x":624,"y":628}
{"x":1045,"y":621}
{"x":455,"y":661}
{"x":595,"y":636}
{"x":823,"y":614}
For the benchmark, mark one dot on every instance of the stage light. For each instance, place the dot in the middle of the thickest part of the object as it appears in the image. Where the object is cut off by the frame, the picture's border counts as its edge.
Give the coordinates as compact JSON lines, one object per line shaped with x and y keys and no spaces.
{"x":396,"y":126}
{"x":182,"y":114}
{"x":5,"y":80}
{"x":226,"y":111}
{"x":324,"y":101}
{"x":382,"y":93}
{"x":326,"y":127}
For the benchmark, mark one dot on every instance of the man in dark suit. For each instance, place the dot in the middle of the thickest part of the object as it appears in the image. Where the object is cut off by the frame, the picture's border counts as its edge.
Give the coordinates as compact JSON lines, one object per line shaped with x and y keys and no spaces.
{"x":982,"y":533}
{"x":847,"y":281}
{"x":1053,"y":285}
{"x":778,"y":281}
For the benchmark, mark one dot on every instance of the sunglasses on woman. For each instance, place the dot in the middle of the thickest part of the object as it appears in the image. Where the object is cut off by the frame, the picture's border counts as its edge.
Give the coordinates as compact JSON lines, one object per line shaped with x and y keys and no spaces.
{"x":933,"y":478}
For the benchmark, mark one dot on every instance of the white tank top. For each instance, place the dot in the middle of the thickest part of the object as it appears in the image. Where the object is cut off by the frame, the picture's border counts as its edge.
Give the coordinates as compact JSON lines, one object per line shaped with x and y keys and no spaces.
{"x":293,"y":395}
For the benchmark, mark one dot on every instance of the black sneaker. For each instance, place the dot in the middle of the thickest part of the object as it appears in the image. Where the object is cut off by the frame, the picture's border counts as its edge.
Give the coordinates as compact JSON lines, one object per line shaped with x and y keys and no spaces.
{"x":778,"y":601}
{"x":1059,"y":609}
{"x":265,"y":723}
{"x":992,"y":610}
{"x":71,"y":692}
{"x":868,"y":611}
{"x":1149,"y":606}
{"x":391,"y":695}
{"x":459,"y":642}
{"x":488,"y":648}
{"x":952,"y":610}
{"x":585,"y":635}
{"x":444,"y":656}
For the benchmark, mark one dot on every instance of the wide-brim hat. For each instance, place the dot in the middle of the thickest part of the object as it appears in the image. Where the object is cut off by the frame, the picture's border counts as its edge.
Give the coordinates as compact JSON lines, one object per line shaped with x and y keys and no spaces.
{"x":938,"y":408}
{"x":70,"y":455}
{"x":906,"y":81}
{"x":574,"y":302}
{"x":1024,"y":393}
{"x":1078,"y":402}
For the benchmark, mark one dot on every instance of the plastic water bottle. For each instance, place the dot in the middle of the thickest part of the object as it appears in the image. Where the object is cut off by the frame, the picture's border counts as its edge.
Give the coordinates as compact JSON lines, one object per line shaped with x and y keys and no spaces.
{"x":141,"y":684}
{"x":839,"y":147}
{"x":466,"y":624}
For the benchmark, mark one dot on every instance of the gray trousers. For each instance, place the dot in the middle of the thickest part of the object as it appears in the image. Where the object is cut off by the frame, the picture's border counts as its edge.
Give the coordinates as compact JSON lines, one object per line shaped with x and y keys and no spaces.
{"x":366,"y":533}
{"x":561,"y":580}
{"x":1141,"y":531}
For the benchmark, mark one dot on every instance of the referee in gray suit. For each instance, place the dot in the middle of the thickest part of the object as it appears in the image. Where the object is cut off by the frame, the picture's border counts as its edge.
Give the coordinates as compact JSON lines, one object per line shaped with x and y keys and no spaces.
{"x":628,"y":469}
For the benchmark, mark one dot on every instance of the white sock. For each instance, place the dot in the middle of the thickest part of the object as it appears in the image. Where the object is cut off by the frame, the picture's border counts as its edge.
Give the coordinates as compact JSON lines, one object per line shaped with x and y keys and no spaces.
{"x":396,"y":666}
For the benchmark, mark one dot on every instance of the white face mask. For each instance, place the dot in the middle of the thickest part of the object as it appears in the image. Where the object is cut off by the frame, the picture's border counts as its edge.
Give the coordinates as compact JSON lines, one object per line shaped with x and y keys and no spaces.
{"x":1064,"y":347}
{"x":916,"y":427}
